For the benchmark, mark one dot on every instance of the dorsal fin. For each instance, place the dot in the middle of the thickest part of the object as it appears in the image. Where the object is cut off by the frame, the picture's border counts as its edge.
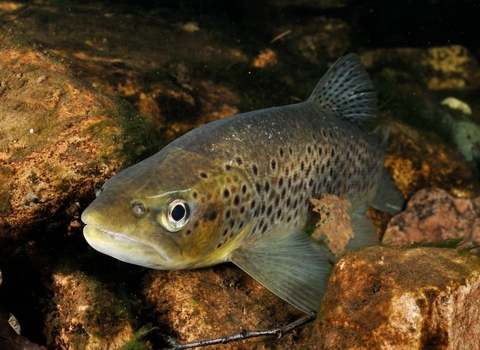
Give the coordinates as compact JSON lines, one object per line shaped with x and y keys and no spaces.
{"x":347,"y":91}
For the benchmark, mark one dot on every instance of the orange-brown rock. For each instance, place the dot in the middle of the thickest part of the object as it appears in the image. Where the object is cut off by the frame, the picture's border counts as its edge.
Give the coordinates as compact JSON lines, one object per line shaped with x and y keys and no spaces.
{"x":434,"y":215}
{"x":386,"y":298}
{"x":215,"y":302}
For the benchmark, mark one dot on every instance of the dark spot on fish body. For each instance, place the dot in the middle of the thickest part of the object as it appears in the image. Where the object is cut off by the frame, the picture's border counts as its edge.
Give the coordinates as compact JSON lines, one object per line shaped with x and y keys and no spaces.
{"x":267,"y":187}
{"x":236,"y":200}
{"x":281,"y":152}
{"x":212,"y":214}
{"x":284,"y":192}
{"x":226,"y":193}
{"x":242,"y":210}
{"x":258,"y":187}
{"x":203,"y":175}
{"x":188,"y":232}
{"x":254,"y":170}
{"x":280,"y":181}
{"x":273,"y":164}
{"x":244,"y":188}
{"x":309,"y":169}
{"x":195,"y":194}
{"x":228,"y":167}
{"x":269,"y":210}
{"x":225,"y":232}
{"x":239,"y":161}
{"x":232,"y":223}
{"x":264,"y":229}
{"x":228,"y":214}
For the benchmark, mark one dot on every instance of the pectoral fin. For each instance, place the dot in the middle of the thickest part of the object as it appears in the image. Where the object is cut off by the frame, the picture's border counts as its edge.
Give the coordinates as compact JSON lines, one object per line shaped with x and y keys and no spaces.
{"x":291,"y":265}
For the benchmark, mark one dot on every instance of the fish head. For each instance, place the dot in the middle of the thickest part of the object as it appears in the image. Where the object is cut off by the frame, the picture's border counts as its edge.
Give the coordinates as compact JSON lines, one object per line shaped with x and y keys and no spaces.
{"x":166,"y":212}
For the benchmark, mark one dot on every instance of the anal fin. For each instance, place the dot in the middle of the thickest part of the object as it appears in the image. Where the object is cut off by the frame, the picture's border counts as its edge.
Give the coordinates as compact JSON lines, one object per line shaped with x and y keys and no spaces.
{"x":290,"y":264}
{"x":365,"y":232}
{"x":388,"y":198}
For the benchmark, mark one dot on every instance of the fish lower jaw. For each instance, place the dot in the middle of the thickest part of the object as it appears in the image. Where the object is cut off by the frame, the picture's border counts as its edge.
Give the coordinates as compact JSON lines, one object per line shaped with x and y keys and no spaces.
{"x":124,"y":248}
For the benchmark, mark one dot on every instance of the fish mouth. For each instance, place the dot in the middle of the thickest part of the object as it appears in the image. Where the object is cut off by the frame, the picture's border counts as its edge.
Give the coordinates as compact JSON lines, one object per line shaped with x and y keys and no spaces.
{"x":124,"y":248}
{"x":118,"y":236}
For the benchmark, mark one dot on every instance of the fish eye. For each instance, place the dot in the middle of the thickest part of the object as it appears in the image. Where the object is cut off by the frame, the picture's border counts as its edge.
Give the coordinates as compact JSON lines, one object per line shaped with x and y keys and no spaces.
{"x":178,"y":213}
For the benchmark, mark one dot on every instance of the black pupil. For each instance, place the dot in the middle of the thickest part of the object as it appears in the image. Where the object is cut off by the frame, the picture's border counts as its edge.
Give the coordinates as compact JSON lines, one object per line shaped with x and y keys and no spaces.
{"x":178,"y":212}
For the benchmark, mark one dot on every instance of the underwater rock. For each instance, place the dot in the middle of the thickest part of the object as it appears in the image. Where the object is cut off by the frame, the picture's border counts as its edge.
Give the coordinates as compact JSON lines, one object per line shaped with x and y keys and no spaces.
{"x":86,"y":315}
{"x":54,"y":134}
{"x":386,"y":298}
{"x":10,"y":339}
{"x":58,"y":140}
{"x":455,"y":103}
{"x":439,"y":68}
{"x":417,"y":161}
{"x":323,"y":40}
{"x":10,"y":332}
{"x":195,"y":305}
{"x":434,"y":215}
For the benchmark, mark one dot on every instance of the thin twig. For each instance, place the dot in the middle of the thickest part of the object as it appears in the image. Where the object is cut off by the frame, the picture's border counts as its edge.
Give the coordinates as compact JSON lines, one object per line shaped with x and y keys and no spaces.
{"x":278,"y":37}
{"x":245,"y":334}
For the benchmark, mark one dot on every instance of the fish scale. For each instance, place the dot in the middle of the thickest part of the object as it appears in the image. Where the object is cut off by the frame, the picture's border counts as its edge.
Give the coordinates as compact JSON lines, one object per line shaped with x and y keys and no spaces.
{"x":239,"y":190}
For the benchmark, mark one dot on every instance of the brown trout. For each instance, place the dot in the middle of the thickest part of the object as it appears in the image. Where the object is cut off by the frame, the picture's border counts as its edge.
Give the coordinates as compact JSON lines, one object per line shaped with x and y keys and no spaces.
{"x":238,"y":189}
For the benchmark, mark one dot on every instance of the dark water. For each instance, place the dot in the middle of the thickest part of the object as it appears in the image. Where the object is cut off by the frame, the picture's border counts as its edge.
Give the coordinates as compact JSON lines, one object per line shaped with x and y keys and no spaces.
{"x":252,"y":24}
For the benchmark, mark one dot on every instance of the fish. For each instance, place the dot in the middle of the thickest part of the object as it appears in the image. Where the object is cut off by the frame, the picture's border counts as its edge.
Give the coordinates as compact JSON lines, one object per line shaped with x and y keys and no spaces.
{"x":238,"y":190}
